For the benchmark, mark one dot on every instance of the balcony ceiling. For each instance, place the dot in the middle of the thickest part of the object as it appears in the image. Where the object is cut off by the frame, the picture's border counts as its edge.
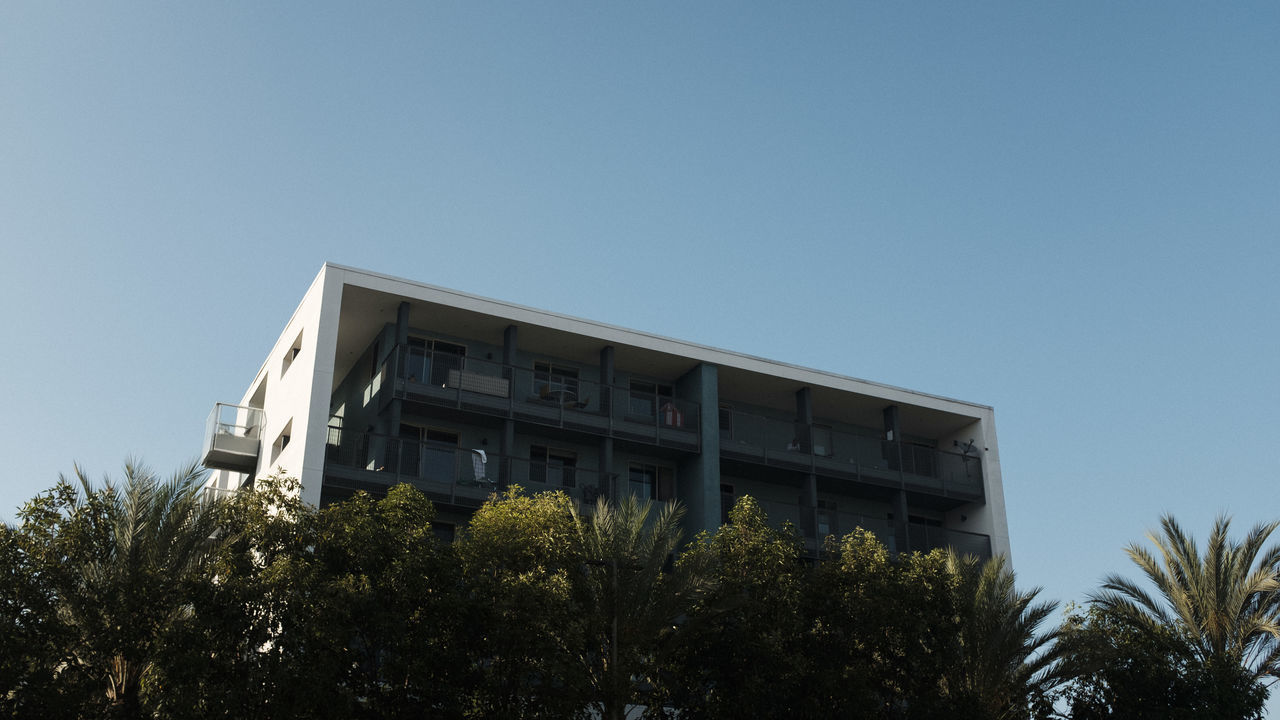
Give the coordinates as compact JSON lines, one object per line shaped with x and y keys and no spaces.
{"x":365,"y":311}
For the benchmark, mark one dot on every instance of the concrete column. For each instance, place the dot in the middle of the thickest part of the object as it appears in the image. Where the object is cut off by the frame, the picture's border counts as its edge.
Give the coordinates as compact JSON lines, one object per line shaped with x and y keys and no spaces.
{"x":402,"y":324}
{"x":608,"y":484}
{"x":507,"y":443}
{"x":509,"y":345}
{"x":804,"y":419}
{"x":893,"y":433}
{"x":804,"y":434}
{"x":395,"y":407}
{"x":606,"y":381}
{"x":698,"y":485}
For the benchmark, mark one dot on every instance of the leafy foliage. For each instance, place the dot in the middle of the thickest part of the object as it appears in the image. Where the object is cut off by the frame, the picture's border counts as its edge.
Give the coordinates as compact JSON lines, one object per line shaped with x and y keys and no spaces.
{"x":1215,"y":616}
{"x":743,"y":650}
{"x":1119,"y":670}
{"x":520,"y":559}
{"x":143,"y":599}
{"x":105,"y":575}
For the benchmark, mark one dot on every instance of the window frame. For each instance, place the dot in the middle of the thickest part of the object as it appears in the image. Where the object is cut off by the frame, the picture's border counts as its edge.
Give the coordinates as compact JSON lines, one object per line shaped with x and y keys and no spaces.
{"x":568,"y":470}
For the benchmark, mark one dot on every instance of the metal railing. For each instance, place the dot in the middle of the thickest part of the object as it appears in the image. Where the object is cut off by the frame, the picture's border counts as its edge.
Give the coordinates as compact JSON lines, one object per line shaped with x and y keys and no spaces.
{"x":832,"y":521}
{"x":924,"y":538}
{"x":821,"y":450}
{"x":543,"y":397}
{"x":446,"y":473}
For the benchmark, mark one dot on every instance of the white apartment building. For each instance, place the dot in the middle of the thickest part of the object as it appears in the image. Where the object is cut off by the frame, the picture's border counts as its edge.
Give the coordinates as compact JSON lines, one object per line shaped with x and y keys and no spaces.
{"x":377,"y":380}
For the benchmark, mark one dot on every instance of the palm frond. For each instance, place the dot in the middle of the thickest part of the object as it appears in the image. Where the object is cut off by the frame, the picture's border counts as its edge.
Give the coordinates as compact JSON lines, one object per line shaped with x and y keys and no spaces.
{"x":1223,"y":601}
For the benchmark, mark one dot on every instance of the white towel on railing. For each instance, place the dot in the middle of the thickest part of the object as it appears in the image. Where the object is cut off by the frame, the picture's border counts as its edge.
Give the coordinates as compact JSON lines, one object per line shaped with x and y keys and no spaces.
{"x":478,"y":461}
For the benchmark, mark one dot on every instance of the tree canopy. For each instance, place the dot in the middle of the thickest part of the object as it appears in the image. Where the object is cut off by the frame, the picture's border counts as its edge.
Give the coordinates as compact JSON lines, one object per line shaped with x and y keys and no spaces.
{"x":147,"y":598}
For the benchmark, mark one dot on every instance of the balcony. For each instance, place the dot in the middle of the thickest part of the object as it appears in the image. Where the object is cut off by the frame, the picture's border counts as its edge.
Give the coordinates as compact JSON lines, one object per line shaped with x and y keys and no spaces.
{"x":232,"y":438}
{"x":820,"y":450}
{"x":482,"y":386}
{"x":923,"y":538}
{"x":928,"y":537}
{"x":447,"y":474}
{"x":830,"y":521}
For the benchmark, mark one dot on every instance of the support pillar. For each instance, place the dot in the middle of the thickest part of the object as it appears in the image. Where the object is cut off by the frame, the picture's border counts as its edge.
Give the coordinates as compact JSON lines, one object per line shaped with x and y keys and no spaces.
{"x":608,"y":481}
{"x":395,"y":408}
{"x":893,"y":453}
{"x":699,"y":479}
{"x":507,"y":441}
{"x":804,"y":435}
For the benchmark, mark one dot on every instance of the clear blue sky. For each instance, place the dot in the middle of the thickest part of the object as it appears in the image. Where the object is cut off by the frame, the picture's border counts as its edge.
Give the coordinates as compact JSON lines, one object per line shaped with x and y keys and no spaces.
{"x":1068,"y":211}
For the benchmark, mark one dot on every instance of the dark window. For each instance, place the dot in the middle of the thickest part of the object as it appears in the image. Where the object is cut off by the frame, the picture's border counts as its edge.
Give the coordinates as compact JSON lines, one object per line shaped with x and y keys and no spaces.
{"x":555,"y":382}
{"x":647,"y":396}
{"x":557,"y":468}
{"x":426,"y":453}
{"x":430,"y":360}
{"x":826,"y":517}
{"x":726,"y":502}
{"x":821,"y":440}
{"x":643,"y":481}
{"x":652,"y":482}
{"x":726,"y":422}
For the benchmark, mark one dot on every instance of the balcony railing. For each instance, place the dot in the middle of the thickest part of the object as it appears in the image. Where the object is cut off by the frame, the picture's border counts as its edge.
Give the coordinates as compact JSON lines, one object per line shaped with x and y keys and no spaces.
{"x":928,"y":537}
{"x":823,"y":451}
{"x":543,"y":397}
{"x":232,"y":438}
{"x":830,"y":521}
{"x":446,"y":473}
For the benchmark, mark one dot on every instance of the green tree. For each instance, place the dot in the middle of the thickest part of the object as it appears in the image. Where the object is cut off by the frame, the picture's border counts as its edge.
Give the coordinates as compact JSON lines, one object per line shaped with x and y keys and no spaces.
{"x":521,"y":563}
{"x":1007,"y":666}
{"x":1121,"y":672}
{"x":630,"y":601}
{"x":232,"y":656}
{"x":113,"y":563}
{"x":37,"y":675}
{"x":743,"y":650}
{"x":351,"y":611}
{"x":1222,"y":606}
{"x":385,"y":608}
{"x":885,"y":629}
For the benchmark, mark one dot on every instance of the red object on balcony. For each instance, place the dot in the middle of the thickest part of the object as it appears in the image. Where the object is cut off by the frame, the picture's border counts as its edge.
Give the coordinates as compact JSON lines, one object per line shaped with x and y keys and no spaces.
{"x":671,"y":415}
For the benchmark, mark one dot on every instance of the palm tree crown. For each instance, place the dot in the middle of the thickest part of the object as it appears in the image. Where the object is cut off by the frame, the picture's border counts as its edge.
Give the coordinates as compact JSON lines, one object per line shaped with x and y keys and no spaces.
{"x":1222,"y":603}
{"x":148,"y":537}
{"x":1006,"y":664}
{"x":635,"y":600}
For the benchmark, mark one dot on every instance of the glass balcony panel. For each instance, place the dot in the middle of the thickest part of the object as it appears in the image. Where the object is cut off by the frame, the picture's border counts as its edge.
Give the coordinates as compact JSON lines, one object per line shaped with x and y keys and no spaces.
{"x":233,"y":435}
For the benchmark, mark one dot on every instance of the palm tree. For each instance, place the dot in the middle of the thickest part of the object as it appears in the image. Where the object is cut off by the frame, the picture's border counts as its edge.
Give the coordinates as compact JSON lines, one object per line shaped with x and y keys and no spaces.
{"x":1006,"y":665}
{"x":1223,"y":603}
{"x":634,"y":600}
{"x":139,"y":543}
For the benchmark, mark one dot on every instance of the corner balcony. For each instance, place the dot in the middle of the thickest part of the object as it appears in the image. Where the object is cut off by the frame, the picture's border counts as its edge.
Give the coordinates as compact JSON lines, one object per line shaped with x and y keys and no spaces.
{"x":232,"y":438}
{"x":447,"y":474}
{"x":817,"y":449}
{"x":490,"y":388}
